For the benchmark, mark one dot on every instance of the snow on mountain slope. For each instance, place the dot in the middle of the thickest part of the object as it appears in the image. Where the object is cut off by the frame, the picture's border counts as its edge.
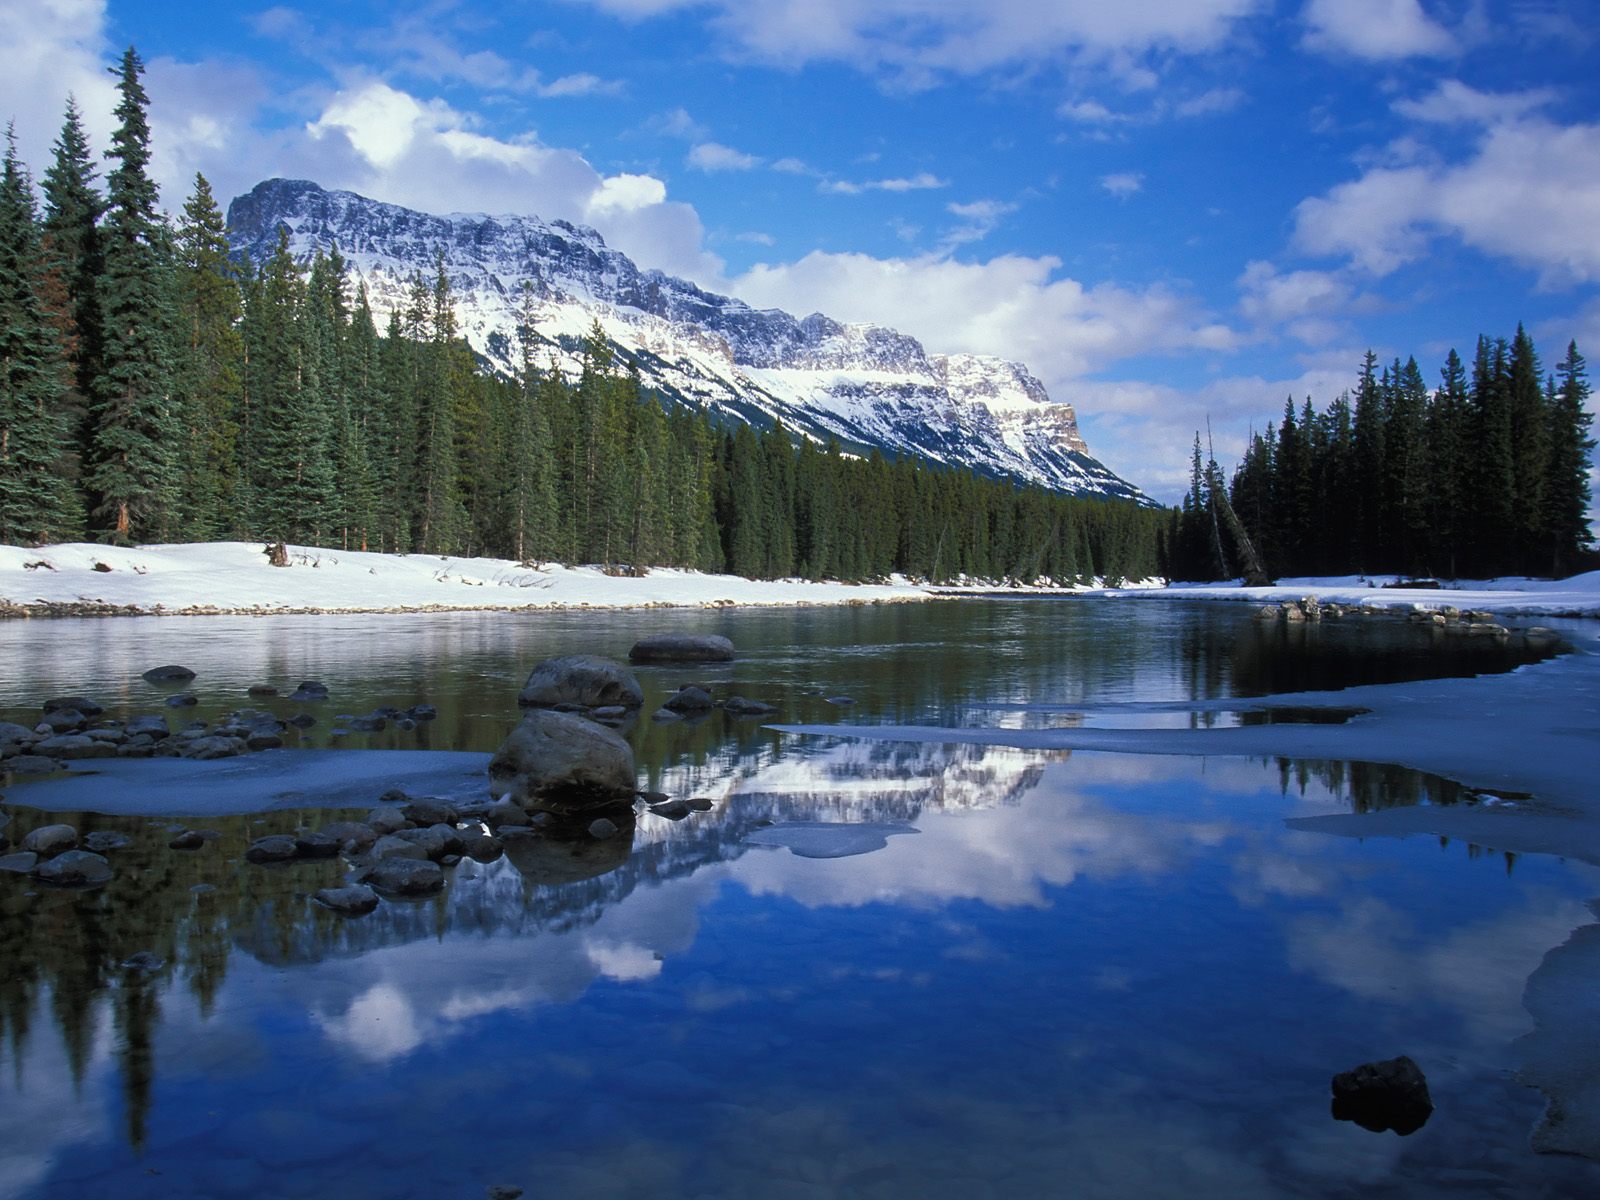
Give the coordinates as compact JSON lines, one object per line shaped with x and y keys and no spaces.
{"x":864,"y":385}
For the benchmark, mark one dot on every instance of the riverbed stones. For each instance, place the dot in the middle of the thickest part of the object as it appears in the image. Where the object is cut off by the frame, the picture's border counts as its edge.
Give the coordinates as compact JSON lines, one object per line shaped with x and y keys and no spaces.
{"x":49,"y":840}
{"x":386,"y":820}
{"x":183,"y":700}
{"x":20,"y":863}
{"x":404,"y":877}
{"x":189,"y":839}
{"x":106,"y":841}
{"x":429,"y":811}
{"x":10,"y":731}
{"x":62,"y":720}
{"x":1389,"y":1094}
{"x":74,"y":868}
{"x":602,"y":827}
{"x":32,"y":764}
{"x":275,"y":848}
{"x":80,"y":703}
{"x":207,"y":748}
{"x":168,"y":674}
{"x":556,"y":757}
{"x":309,"y":690}
{"x":316,"y":844}
{"x":682,"y":648}
{"x":392,"y":845}
{"x":690,"y":699}
{"x":740,"y":707}
{"x":72,"y":746}
{"x":672,"y":810}
{"x":583,"y":680}
{"x":355,"y":900}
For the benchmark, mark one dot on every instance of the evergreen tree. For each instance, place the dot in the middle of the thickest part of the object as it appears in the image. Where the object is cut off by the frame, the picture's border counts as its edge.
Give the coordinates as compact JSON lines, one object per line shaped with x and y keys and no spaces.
{"x":1370,"y":467}
{"x":131,"y":469}
{"x":73,"y":263}
{"x":208,"y":370}
{"x":1530,"y":452}
{"x":1566,"y":518}
{"x":34,"y":499}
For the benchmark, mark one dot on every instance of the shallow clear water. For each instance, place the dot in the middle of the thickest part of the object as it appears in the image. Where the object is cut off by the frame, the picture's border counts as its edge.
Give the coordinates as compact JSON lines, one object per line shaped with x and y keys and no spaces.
{"x":1024,"y":974}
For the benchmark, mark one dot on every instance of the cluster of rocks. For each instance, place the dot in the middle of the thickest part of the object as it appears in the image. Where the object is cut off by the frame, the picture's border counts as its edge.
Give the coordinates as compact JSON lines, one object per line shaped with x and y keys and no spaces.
{"x":1472,"y":622}
{"x":75,"y":727}
{"x":57,"y":855}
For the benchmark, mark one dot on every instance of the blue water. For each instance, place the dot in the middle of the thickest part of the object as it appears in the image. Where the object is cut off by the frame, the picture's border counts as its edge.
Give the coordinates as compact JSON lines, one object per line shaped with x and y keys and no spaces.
{"x":1082,"y":975}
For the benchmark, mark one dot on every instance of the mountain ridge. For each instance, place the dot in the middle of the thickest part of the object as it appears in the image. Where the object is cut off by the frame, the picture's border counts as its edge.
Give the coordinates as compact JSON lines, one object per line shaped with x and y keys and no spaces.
{"x":866,"y":386}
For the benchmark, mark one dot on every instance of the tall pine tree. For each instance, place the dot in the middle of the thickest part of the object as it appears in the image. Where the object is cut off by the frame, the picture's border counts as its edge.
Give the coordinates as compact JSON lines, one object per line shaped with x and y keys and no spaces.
{"x":131,"y":469}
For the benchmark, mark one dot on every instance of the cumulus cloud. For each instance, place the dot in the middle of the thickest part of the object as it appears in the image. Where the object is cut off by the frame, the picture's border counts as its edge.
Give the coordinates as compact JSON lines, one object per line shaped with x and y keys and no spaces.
{"x":55,"y":48}
{"x":1309,"y":304}
{"x":1529,"y":192}
{"x":1012,"y":306}
{"x":920,"y":40}
{"x":1376,"y":30}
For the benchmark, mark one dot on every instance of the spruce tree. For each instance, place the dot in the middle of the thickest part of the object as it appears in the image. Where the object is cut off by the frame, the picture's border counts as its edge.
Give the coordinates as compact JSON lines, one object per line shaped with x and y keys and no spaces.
{"x":34,"y":499}
{"x":1566,"y":519}
{"x":208,"y":371}
{"x":73,"y":264}
{"x":1530,"y":453}
{"x":131,"y":469}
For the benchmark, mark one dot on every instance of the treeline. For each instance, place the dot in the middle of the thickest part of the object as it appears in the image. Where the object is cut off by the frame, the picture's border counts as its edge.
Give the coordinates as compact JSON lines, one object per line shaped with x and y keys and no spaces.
{"x":155,"y":390}
{"x":1486,"y":474}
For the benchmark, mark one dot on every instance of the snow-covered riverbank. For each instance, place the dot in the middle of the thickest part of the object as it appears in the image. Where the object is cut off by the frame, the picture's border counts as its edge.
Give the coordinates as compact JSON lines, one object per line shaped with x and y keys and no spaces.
{"x":85,"y":579}
{"x":80,"y":579}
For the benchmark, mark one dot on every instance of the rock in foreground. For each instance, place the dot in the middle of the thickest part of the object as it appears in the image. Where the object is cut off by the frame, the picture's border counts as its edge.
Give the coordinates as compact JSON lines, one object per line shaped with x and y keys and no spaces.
{"x":1391,"y":1094}
{"x":556,"y":758}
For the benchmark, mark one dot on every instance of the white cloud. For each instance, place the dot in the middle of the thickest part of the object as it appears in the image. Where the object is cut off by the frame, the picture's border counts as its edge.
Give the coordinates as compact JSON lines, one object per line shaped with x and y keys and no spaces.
{"x":1309,"y":303}
{"x":581,"y":84}
{"x":1530,"y":192}
{"x":921,"y":181}
{"x":1376,"y":30}
{"x":1010,"y":306}
{"x":714,"y":156}
{"x":918,"y":40}
{"x":55,"y":48}
{"x":1091,"y":112}
{"x":1123,"y":184}
{"x":626,"y":194}
{"x":1454,"y":102}
{"x":1217,"y":100}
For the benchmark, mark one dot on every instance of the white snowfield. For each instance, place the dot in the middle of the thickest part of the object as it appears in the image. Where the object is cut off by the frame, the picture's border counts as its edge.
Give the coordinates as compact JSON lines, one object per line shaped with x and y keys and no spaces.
{"x":235,"y":577}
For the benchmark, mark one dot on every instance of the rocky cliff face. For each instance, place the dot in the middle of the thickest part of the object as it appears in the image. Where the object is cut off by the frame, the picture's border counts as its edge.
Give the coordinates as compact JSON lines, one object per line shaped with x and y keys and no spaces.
{"x":864,"y":385}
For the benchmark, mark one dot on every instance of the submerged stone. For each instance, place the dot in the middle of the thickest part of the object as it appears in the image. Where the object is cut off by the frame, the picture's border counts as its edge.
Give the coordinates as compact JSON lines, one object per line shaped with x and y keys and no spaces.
{"x":75,"y":868}
{"x":682,"y":648}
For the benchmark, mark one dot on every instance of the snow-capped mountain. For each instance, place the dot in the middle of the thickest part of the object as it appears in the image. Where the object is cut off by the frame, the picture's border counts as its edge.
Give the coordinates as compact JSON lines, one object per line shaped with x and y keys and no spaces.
{"x":864,"y":385}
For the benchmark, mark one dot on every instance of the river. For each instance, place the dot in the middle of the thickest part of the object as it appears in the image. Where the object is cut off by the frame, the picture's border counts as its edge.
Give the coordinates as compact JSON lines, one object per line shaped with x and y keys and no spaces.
{"x":876,"y":969}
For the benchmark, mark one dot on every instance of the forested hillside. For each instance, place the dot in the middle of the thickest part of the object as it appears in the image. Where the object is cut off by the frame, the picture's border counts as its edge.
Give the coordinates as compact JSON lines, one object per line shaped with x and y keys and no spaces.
{"x":1487,"y":474}
{"x":156,"y":390}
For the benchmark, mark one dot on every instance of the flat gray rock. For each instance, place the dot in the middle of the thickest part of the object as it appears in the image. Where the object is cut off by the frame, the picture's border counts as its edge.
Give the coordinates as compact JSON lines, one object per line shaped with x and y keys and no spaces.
{"x":355,"y":900}
{"x":584,"y":680}
{"x":682,"y":648}
{"x":75,"y":868}
{"x":403,"y":877}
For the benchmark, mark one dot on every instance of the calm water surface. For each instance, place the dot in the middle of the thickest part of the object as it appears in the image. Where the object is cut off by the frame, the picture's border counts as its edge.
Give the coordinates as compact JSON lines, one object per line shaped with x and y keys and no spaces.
{"x":1037,"y":974}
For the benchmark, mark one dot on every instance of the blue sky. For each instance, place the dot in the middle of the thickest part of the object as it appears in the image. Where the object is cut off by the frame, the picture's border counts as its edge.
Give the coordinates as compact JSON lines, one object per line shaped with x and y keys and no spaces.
{"x":1170,"y":209}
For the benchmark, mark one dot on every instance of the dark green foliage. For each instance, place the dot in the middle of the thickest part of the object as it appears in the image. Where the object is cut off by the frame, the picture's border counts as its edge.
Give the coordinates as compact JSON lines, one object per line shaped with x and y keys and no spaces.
{"x":34,"y":501}
{"x":1485,"y":476}
{"x":131,"y":472}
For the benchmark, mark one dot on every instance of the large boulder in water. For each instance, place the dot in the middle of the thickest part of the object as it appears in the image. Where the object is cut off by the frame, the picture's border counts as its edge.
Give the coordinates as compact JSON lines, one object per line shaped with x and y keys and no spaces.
{"x":1391,"y":1094}
{"x":587,"y":680}
{"x":682,"y":648}
{"x":169,"y":674}
{"x":559,"y":760}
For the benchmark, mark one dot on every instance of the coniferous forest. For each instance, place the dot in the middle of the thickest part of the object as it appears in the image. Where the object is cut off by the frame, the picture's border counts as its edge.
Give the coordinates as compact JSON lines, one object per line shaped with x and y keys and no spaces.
{"x":156,"y":390}
{"x":1486,"y":474}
